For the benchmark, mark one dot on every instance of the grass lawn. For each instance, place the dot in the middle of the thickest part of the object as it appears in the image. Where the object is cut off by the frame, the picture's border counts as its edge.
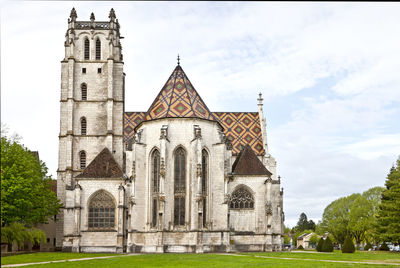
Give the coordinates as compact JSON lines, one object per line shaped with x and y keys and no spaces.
{"x":48,"y":256}
{"x":211,"y":260}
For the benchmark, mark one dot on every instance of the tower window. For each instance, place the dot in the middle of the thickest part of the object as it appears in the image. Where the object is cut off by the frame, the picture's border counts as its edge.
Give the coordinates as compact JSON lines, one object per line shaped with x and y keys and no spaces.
{"x":84,"y":91}
{"x":99,"y":70}
{"x":83,"y":70}
{"x":82,"y":158}
{"x":98,"y":49}
{"x":179,"y":187}
{"x":83,"y":126}
{"x":86,"y":49}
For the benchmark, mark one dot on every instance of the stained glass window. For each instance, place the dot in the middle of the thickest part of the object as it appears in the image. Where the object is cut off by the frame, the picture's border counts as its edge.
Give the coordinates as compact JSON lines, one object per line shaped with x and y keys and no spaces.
{"x":101,"y":212}
{"x":241,"y":199}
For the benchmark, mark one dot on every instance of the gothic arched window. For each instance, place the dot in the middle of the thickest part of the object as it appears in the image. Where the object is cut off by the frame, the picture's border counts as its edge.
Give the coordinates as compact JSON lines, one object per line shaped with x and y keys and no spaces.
{"x":204,"y":183}
{"x":179,"y":186}
{"x":98,"y":49}
{"x":155,"y":185}
{"x":101,"y":211}
{"x":82,"y":160}
{"x":83,"y":126}
{"x":84,"y":91}
{"x":86,"y":49}
{"x":241,"y":198}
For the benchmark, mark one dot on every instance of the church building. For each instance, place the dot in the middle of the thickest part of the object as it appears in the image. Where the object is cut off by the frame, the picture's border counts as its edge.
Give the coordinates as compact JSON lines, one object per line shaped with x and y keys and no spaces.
{"x":174,"y":178}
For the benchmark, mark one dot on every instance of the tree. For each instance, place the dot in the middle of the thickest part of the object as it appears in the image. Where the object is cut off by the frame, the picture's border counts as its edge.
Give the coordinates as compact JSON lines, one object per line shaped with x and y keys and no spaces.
{"x":314,"y":239}
{"x":320,"y":244}
{"x":388,"y":219}
{"x":26,"y":195}
{"x":327,"y":246}
{"x":335,"y":218}
{"x":348,"y":246}
{"x":304,"y":224}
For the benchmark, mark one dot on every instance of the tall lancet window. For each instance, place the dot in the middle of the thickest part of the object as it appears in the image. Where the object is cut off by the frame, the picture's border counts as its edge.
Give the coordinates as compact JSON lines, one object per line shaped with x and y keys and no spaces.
{"x":204,"y":183}
{"x":155,"y":186}
{"x":83,"y":126}
{"x":84,"y":91}
{"x":179,"y":187}
{"x":86,"y":49}
{"x":98,"y":49}
{"x":101,"y":211}
{"x":82,"y":159}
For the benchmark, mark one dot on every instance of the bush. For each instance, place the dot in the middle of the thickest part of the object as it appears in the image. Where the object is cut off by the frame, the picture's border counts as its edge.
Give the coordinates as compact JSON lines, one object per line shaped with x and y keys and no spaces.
{"x":319,"y":245}
{"x":300,"y":247}
{"x":327,"y":246}
{"x":367,"y":246}
{"x":348,"y":246}
{"x":384,"y":247}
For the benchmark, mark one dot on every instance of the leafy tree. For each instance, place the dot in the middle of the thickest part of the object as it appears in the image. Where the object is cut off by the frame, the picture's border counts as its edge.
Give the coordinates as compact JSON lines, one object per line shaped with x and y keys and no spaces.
{"x":300,"y":247}
{"x":335,"y":218}
{"x":311,"y":225}
{"x":304,"y":224}
{"x":26,"y":195}
{"x":327,"y":246}
{"x":19,"y":233}
{"x":367,"y":246}
{"x":388,"y":219}
{"x":314,"y":239}
{"x":320,"y":244}
{"x":384,"y":247}
{"x":348,"y":246}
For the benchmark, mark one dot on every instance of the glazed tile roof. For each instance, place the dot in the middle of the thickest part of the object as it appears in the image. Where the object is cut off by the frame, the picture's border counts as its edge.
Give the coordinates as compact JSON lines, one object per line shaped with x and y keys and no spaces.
{"x":239,"y":128}
{"x":247,"y":163}
{"x":242,"y":128}
{"x":102,"y":166}
{"x":178,"y":98}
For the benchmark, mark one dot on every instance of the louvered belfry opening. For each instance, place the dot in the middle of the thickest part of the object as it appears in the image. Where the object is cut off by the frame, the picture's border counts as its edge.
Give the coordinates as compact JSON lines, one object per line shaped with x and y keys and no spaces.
{"x":82,"y":159}
{"x":83,"y":126}
{"x":179,"y":187}
{"x":84,"y":91}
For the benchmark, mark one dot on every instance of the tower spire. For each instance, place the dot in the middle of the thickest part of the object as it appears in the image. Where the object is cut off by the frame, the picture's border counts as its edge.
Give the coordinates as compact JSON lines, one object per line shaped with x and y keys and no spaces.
{"x":73,"y":15}
{"x":179,"y":60}
{"x":92,"y":18}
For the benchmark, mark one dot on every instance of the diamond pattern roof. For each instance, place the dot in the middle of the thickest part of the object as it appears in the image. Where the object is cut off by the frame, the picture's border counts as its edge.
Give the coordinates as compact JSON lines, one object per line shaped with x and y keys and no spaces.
{"x":239,"y":128}
{"x":178,"y":98}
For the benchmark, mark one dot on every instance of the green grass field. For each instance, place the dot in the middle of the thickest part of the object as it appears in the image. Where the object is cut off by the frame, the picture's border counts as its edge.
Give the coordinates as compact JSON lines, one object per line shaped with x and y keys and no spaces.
{"x":254,"y":259}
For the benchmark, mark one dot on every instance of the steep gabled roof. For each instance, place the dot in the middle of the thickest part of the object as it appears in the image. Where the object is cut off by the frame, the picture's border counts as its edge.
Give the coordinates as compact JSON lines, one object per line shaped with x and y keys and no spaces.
{"x":247,"y":163}
{"x":178,"y":98}
{"x":102,"y":166}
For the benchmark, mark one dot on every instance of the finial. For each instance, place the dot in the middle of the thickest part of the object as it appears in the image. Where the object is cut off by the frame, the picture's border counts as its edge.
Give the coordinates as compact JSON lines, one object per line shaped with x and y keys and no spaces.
{"x":73,"y":15}
{"x":260,"y":99}
{"x":112,"y":14}
{"x":92,"y":18}
{"x":178,"y":60}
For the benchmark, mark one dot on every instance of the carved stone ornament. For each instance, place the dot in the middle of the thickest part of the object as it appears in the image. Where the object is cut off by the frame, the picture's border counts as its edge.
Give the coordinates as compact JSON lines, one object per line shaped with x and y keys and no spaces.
{"x":163,"y":134}
{"x":133,"y":170}
{"x":162,"y":168}
{"x":198,"y":133}
{"x":132,"y":200}
{"x":227,"y":197}
{"x":228,"y":145}
{"x":162,"y":198}
{"x":198,"y":171}
{"x":268,"y":208}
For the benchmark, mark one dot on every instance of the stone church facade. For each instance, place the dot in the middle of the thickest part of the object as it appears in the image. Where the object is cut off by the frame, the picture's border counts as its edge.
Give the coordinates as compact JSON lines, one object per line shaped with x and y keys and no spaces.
{"x":175,"y":178}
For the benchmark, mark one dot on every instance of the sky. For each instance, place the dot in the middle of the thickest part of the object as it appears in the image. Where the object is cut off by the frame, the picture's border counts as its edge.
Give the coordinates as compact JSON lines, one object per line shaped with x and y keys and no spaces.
{"x":329,"y":74}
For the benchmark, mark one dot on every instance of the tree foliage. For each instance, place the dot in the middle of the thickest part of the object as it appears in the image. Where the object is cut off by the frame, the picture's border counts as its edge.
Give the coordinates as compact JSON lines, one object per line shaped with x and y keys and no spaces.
{"x":327,"y":246}
{"x":352,"y":216}
{"x":20,"y":234}
{"x":26,"y":195}
{"x":348,"y":246}
{"x":320,"y":244}
{"x":304,"y":223}
{"x":388,"y":219}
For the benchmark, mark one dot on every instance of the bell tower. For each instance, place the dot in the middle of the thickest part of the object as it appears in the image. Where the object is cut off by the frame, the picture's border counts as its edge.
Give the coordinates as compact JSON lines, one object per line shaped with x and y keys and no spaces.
{"x":91,"y":102}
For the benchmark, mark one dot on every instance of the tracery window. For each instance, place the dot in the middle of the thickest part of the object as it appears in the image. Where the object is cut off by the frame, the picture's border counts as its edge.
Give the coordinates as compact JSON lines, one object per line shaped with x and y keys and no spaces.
{"x":241,"y":198}
{"x":82,"y":160}
{"x":86,"y":49}
{"x":84,"y":91}
{"x":155,"y":175}
{"x":101,"y":211}
{"x":98,"y":49}
{"x":83,"y":126}
{"x":179,"y":187}
{"x":204,"y":179}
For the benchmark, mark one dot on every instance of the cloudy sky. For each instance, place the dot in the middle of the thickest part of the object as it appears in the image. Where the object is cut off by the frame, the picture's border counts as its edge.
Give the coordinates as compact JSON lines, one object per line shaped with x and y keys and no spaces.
{"x":329,"y":74}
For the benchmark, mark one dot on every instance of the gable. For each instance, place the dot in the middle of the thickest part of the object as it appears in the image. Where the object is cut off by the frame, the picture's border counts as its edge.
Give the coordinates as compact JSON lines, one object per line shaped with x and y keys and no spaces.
{"x":247,"y":163}
{"x":102,"y":166}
